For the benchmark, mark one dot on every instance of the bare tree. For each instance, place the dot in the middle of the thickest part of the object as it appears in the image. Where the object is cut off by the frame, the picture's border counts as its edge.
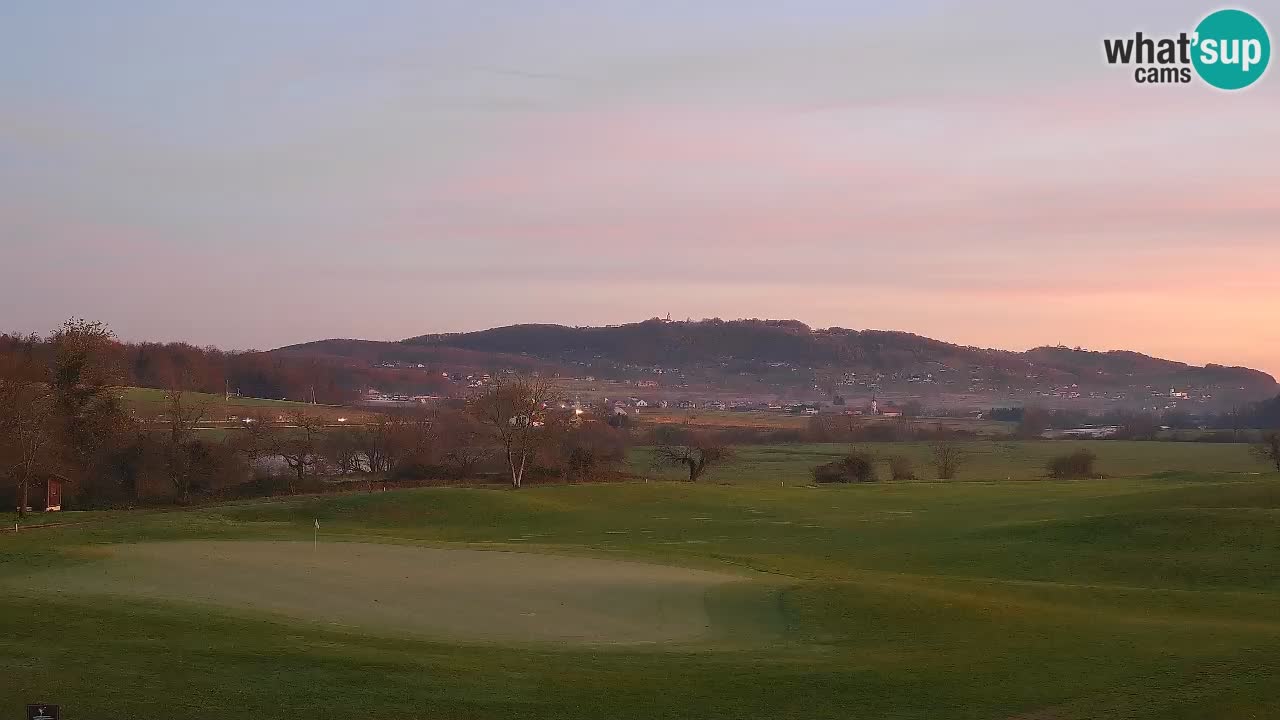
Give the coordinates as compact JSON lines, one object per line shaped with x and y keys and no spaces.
{"x":1268,"y":449}
{"x":412,"y":437}
{"x":1236,"y":420}
{"x":948,"y":457}
{"x":696,"y":451}
{"x":374,"y":440}
{"x":1035,"y":420}
{"x":463,"y":443}
{"x":342,"y":450}
{"x":298,"y":443}
{"x":181,"y":419}
{"x":512,"y":408}
{"x":257,"y":440}
{"x":27,"y":432}
{"x":582,"y":451}
{"x":1139,"y":425}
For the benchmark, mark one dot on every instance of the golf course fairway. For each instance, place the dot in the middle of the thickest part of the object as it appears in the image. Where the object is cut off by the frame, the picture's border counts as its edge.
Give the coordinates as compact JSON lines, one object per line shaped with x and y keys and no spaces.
{"x":460,"y":594}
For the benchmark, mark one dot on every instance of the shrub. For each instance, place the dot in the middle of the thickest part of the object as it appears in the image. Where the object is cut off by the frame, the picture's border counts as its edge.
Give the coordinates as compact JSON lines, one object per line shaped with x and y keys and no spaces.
{"x":1077,"y":464}
{"x":901,"y":468}
{"x":783,"y":437}
{"x":857,"y":466}
{"x":829,"y":473}
{"x":414,"y":469}
{"x":860,"y":466}
{"x":1268,"y":449}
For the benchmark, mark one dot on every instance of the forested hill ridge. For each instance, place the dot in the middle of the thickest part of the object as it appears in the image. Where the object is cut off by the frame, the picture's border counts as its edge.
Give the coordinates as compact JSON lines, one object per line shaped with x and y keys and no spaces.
{"x":791,"y":353}
{"x":658,"y":342}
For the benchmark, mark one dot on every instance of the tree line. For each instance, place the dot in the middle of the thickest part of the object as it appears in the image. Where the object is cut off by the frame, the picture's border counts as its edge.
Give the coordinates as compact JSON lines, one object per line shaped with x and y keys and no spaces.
{"x":211,"y":370}
{"x":61,"y":415}
{"x":1138,"y":424}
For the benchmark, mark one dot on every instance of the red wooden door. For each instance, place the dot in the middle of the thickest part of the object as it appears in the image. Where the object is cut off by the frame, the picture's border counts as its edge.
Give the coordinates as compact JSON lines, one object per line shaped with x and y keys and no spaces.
{"x":54,"y":496}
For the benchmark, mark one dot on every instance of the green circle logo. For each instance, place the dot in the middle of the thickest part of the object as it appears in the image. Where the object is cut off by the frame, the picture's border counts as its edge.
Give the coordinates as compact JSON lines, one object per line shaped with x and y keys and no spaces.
{"x":1232,"y":49}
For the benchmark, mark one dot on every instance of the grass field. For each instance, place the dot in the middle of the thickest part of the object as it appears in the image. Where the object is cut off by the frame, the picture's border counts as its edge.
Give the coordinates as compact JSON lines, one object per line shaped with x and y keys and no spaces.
{"x":150,"y":402}
{"x":984,"y":460}
{"x":1151,"y":595}
{"x":773,"y":420}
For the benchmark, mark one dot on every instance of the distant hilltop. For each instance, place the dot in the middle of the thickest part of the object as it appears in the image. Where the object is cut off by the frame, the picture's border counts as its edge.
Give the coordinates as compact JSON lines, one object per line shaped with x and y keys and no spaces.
{"x":772,"y":355}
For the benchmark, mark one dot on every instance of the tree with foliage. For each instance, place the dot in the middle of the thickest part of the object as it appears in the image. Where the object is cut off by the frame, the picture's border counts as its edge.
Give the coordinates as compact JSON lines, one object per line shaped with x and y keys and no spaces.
{"x":59,"y":407}
{"x":83,"y":378}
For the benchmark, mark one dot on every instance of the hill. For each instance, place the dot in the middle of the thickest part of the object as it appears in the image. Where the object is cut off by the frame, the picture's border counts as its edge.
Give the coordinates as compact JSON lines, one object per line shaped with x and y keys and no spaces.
{"x":779,"y":356}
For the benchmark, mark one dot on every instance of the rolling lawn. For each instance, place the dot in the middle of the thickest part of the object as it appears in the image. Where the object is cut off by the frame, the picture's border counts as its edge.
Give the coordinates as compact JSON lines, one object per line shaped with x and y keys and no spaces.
{"x":1151,"y":594}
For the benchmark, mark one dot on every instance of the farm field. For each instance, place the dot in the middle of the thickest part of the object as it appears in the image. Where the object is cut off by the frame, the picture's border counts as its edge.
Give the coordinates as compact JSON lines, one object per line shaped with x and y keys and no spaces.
{"x":985,"y":460}
{"x":1151,"y":594}
{"x":150,"y":402}
{"x":774,"y":420}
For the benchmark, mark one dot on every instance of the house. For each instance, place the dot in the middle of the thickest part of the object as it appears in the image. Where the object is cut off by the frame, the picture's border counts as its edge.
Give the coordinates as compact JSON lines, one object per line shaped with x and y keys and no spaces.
{"x":713,"y":405}
{"x":647,"y":383}
{"x":641,"y":403}
{"x":44,"y":493}
{"x":686,"y":404}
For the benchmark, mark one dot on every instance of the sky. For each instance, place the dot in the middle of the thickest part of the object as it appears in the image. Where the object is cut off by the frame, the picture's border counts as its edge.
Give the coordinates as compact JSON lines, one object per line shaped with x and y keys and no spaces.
{"x":252,"y":174}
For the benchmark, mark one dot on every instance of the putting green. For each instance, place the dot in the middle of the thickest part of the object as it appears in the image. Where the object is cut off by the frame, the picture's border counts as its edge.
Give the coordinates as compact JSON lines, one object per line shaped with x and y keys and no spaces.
{"x":449,"y":593}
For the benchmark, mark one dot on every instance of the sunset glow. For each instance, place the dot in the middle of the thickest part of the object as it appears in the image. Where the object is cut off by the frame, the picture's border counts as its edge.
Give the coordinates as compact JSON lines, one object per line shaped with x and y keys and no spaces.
{"x":187,"y":174}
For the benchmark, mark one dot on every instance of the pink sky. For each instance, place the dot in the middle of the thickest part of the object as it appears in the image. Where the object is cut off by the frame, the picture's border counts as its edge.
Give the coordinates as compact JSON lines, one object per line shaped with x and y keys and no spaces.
{"x":927,"y":167}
